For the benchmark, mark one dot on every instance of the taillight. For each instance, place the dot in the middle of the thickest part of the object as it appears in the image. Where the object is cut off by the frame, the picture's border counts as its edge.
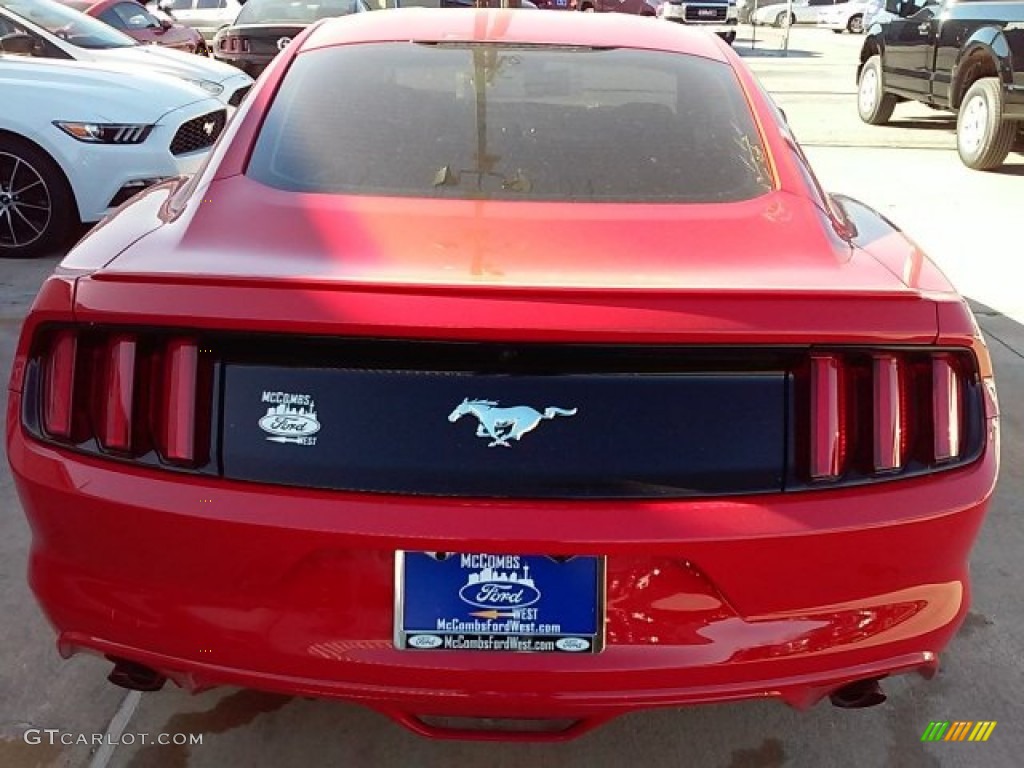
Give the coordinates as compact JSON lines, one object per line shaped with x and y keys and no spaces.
{"x":828,"y":438}
{"x":145,"y":397}
{"x":181,"y":369}
{"x":946,"y":408}
{"x":59,"y":384}
{"x":880,"y":413}
{"x":117,"y":397}
{"x":887,"y":409}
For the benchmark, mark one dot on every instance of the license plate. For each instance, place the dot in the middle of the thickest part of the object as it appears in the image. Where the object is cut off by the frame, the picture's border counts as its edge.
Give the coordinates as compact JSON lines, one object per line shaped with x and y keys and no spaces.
{"x":707,"y":12}
{"x":484,"y":602}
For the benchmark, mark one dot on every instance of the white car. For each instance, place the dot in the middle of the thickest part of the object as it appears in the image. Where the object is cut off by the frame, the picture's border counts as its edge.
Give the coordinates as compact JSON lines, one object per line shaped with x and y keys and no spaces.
{"x":803,"y":12}
{"x":846,"y":17}
{"x":60,"y":32}
{"x":206,"y":16}
{"x":78,"y":139}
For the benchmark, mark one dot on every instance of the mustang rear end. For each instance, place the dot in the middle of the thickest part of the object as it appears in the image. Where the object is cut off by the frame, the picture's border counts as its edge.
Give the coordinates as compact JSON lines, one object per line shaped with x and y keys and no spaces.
{"x":477,"y":385}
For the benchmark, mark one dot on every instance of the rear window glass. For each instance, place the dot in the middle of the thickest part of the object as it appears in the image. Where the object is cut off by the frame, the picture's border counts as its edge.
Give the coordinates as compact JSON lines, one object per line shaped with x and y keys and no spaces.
{"x":484,"y":121}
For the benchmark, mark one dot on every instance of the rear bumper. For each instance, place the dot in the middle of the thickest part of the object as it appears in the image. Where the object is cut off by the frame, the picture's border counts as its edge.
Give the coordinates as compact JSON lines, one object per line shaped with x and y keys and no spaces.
{"x":215,"y":582}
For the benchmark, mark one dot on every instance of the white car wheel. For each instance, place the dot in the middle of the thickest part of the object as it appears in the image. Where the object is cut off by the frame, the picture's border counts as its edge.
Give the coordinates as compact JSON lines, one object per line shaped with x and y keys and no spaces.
{"x":35,"y":203}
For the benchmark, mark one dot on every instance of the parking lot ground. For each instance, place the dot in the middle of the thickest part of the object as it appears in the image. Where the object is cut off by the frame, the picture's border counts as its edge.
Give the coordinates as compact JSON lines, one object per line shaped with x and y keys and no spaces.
{"x":965,"y":220}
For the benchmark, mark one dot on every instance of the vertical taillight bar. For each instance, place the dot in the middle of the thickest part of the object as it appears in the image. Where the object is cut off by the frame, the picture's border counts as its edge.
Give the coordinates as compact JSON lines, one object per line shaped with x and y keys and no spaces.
{"x":118,"y":394}
{"x":181,"y":371}
{"x":946,"y":407}
{"x":59,"y":389}
{"x":827,"y":439}
{"x":888,"y":417}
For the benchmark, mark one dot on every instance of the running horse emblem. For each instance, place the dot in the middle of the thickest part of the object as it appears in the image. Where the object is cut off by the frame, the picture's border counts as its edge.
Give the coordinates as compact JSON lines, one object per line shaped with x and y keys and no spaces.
{"x":500,"y":425}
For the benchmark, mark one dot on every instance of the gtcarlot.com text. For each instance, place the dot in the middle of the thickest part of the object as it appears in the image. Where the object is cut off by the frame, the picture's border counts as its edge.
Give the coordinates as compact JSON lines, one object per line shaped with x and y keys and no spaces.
{"x":55,"y":736}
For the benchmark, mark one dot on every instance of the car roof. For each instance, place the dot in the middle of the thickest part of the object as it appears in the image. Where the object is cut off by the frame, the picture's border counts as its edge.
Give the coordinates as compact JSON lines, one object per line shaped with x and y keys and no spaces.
{"x":510,"y":26}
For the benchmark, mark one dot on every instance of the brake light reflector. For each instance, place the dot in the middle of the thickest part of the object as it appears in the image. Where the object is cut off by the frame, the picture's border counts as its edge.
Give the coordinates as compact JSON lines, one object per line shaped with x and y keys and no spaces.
{"x":946,"y":407}
{"x":827,"y":438}
{"x":118,"y":394}
{"x":888,"y":413}
{"x":59,"y":389}
{"x":181,"y":369}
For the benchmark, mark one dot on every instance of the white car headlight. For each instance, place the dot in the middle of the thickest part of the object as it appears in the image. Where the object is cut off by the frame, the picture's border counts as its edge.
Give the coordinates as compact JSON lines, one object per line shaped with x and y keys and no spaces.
{"x":105,"y":133}
{"x":212,"y":88}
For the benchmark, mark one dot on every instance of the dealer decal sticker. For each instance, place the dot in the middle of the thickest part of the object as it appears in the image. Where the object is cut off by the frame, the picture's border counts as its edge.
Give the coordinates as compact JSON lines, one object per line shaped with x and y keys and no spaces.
{"x":290,"y":418}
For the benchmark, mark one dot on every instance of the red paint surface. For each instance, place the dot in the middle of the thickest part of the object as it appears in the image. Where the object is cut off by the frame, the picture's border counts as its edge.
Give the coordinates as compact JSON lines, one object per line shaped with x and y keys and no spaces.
{"x":216,"y":582}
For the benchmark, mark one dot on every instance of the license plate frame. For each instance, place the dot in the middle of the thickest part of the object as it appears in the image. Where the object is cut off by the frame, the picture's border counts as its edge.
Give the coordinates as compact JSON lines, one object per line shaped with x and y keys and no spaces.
{"x":459,"y":623}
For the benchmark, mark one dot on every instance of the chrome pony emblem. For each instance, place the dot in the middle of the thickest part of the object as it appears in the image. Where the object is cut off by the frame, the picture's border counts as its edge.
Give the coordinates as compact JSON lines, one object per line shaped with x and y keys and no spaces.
{"x":499,"y":425}
{"x":209,"y":127}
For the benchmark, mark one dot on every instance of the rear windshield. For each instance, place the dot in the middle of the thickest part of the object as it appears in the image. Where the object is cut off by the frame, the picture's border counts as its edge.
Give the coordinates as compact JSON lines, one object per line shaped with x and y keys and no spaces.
{"x":511,"y":123}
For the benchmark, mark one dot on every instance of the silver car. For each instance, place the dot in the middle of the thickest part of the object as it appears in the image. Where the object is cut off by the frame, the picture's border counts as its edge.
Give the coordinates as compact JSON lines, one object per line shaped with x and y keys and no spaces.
{"x":207,"y":16}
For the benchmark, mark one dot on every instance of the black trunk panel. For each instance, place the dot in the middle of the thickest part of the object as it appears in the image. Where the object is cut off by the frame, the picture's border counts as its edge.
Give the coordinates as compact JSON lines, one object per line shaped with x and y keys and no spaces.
{"x":646,"y":424}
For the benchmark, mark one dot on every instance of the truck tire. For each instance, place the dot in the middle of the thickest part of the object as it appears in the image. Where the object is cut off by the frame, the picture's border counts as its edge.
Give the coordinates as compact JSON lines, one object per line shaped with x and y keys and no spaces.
{"x":37,"y":207}
{"x":874,"y":105}
{"x":780,"y":20}
{"x":983,"y":137}
{"x":855,"y":26}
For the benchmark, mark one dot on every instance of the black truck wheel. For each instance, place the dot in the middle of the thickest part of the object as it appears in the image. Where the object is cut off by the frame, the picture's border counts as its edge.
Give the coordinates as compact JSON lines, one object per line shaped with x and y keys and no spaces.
{"x":983,"y":137}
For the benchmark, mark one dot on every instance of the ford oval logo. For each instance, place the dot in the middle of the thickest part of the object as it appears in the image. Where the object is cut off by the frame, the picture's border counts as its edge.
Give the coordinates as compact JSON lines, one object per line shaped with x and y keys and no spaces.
{"x":572,"y":644}
{"x":290,"y":425}
{"x":499,"y":594}
{"x":425,"y":641}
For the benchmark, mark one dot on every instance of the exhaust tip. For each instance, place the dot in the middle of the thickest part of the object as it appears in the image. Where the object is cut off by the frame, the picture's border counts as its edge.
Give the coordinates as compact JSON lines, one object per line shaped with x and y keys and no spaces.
{"x":858,"y":695}
{"x":135,"y":677}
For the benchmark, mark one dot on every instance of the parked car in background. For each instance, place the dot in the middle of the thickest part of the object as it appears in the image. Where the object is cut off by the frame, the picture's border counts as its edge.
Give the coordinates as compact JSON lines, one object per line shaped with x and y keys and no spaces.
{"x":968,"y":59}
{"x":141,"y":25}
{"x":635,"y":7}
{"x":205,"y":16}
{"x":525,"y":372}
{"x":264,"y":28}
{"x":746,"y":8}
{"x":803,"y":12}
{"x":78,"y":139}
{"x":57,"y":31}
{"x":718,"y":16}
{"x":523,"y":4}
{"x":881,"y":11}
{"x":846,"y":17}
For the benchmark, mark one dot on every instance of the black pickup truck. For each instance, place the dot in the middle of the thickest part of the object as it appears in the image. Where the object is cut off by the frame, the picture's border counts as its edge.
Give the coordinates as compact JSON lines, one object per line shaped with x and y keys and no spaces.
{"x":964,"y":56}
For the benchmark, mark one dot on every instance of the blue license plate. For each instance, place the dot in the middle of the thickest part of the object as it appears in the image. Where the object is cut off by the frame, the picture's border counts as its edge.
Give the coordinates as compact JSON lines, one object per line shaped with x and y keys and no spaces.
{"x":484,"y":602}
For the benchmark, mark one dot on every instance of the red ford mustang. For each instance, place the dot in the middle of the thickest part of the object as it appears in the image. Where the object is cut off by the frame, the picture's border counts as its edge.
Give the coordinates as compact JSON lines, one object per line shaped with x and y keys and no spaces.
{"x":524,"y":372}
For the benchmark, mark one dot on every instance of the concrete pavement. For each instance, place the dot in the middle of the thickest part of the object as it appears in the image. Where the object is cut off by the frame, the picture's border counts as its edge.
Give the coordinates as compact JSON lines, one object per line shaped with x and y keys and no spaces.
{"x":964,"y":219}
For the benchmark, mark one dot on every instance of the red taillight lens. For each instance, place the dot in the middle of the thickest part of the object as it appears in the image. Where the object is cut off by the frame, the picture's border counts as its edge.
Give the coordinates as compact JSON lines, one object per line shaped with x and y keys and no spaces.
{"x":828,"y":439}
{"x":896,"y":412}
{"x":59,"y":384}
{"x":888,"y":402}
{"x":178,"y":417}
{"x":118,"y":394}
{"x":946,"y":407}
